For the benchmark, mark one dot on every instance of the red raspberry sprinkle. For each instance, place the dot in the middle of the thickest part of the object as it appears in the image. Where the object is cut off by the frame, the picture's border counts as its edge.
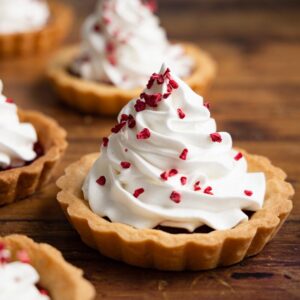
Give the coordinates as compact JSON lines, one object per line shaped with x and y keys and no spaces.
{"x":175,"y":197}
{"x":124,"y":117}
{"x":184,"y":154}
{"x":150,"y":82}
{"x":110,"y":47}
{"x":9,"y":100}
{"x":144,"y":134}
{"x":174,"y":84}
{"x":208,"y":190}
{"x":131,"y":121}
{"x":207,"y":105}
{"x":169,"y":88}
{"x":97,"y":27}
{"x":4,"y":257}
{"x":106,"y":20}
{"x":152,"y":5}
{"x":164,"y":176}
{"x":181,"y":114}
{"x":183,"y":180}
{"x":101,"y":180}
{"x":105,"y":141}
{"x":160,"y":79}
{"x":173,"y":172}
{"x":140,"y":105}
{"x":112,"y":59}
{"x":2,"y":246}
{"x":118,"y":127}
{"x":238,"y":156}
{"x":167,"y":73}
{"x":43,"y":292}
{"x":197,"y":186}
{"x":248,"y":193}
{"x":166,"y":95}
{"x":138,"y":192}
{"x":125,"y":164}
{"x":23,"y":257}
{"x":151,"y":100}
{"x":216,"y":137}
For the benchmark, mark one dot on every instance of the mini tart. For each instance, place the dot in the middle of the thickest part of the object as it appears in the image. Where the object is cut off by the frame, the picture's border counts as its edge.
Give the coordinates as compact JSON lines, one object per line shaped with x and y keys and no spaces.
{"x":59,"y":278}
{"x":19,"y":183}
{"x":153,"y":248}
{"x":33,"y":42}
{"x":101,"y":98}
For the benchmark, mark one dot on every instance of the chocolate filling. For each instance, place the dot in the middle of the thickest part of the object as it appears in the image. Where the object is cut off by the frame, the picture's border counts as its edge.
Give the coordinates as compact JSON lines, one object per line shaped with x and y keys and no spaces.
{"x":201,"y":229}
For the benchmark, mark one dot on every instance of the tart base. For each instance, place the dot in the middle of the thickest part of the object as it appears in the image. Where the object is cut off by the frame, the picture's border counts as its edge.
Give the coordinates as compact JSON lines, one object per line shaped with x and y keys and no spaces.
{"x":157,"y":249}
{"x":105,"y":99}
{"x":33,"y":42}
{"x":18,"y":183}
{"x":61,"y":279}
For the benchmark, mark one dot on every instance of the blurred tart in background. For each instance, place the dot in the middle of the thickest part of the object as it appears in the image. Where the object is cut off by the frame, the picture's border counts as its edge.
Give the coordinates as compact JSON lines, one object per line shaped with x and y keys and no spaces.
{"x":122,"y":43}
{"x":29,"y":26}
{"x":30,"y":146}
{"x":31,"y":271}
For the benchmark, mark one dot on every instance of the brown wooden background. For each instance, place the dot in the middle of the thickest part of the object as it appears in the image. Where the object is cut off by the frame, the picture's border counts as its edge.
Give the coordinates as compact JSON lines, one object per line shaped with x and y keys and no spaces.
{"x":255,"y":97}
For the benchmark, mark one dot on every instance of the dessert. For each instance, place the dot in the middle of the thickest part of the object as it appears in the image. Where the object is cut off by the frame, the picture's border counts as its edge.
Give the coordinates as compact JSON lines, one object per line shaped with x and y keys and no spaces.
{"x":30,"y":26}
{"x":30,"y":146}
{"x":31,"y":271}
{"x":122,"y":43}
{"x":168,"y":191}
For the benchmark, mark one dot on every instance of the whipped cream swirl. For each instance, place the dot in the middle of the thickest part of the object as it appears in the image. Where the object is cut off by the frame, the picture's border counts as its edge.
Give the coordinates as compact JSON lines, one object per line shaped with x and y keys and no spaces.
{"x":18,"y":282}
{"x":166,"y":164}
{"x":22,"y":15}
{"x":18,"y":279}
{"x":123,"y":43}
{"x":16,"y":139}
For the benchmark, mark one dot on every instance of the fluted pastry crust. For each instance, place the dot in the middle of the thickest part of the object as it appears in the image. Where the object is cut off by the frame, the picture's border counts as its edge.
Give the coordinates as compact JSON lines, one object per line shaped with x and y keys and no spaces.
{"x":18,"y":183}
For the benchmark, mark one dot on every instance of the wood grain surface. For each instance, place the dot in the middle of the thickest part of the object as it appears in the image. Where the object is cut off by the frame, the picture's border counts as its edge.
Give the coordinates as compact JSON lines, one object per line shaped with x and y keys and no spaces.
{"x":255,"y":97}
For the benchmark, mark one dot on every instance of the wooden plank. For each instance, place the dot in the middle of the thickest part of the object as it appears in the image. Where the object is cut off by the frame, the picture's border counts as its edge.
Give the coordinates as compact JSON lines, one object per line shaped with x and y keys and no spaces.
{"x":255,"y":98}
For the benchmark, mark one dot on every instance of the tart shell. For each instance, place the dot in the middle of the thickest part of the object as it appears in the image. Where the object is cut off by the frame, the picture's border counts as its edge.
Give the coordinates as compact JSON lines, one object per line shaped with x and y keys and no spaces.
{"x":61,"y":279}
{"x":157,"y":249}
{"x":105,"y":99}
{"x":33,"y":42}
{"x":18,"y":183}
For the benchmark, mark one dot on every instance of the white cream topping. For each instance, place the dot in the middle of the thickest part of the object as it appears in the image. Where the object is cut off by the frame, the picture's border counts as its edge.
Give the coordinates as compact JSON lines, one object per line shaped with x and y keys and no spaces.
{"x":22,"y":15}
{"x":18,"y":282}
{"x":16,"y":139}
{"x":123,"y":43}
{"x":227,"y":189}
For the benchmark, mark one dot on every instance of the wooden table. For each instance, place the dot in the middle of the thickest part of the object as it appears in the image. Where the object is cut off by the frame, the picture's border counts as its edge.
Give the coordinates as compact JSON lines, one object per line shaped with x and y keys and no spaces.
{"x":256,"y":98}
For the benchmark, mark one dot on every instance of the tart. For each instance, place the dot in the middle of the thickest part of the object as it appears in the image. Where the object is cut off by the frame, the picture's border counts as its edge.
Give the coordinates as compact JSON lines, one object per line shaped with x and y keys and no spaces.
{"x":19,"y":183}
{"x":151,"y":248}
{"x":58,"y":279}
{"x":31,"y":144}
{"x":36,"y":41}
{"x":121,"y":45}
{"x":174,"y":195}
